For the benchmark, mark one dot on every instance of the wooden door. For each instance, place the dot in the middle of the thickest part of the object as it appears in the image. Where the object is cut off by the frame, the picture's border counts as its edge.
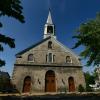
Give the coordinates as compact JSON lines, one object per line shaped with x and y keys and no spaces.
{"x":50,"y":84}
{"x":27,"y":84}
{"x":71,"y":84}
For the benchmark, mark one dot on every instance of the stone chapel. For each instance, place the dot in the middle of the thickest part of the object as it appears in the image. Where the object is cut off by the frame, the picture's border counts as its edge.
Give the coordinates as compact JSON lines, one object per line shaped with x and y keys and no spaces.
{"x":47,"y":66}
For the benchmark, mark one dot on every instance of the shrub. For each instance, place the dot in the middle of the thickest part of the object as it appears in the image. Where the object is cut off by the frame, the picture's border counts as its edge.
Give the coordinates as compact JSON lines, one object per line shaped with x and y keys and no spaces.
{"x":88,"y":88}
{"x":81,"y":88}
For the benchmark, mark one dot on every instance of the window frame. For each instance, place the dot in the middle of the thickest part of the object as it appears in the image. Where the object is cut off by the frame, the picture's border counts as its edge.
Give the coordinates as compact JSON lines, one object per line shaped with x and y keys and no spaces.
{"x":50,"y":45}
{"x":30,"y":58}
{"x":52,"y":58}
{"x":68,"y":60}
{"x":50,"y":29}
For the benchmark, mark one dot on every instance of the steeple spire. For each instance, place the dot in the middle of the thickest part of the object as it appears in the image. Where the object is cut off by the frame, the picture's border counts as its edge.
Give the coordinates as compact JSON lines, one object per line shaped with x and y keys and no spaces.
{"x":49,"y":19}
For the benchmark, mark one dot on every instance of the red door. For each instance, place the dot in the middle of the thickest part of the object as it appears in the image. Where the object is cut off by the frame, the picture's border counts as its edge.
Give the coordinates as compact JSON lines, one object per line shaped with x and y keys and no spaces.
{"x":50,"y":84}
{"x":71,"y":84}
{"x":27,"y":84}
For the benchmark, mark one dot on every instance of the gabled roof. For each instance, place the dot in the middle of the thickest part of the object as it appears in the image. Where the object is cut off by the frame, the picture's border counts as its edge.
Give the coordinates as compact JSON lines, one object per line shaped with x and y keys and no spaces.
{"x":66,"y":49}
{"x":34,"y":45}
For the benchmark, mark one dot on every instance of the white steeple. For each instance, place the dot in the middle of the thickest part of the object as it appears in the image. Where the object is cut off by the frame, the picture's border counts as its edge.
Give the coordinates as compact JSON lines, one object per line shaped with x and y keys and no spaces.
{"x":49,"y":29}
{"x":49,"y":19}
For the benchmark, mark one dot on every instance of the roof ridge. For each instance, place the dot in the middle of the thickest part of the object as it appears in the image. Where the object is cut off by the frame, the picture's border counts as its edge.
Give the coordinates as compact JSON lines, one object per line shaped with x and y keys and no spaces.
{"x":34,"y":45}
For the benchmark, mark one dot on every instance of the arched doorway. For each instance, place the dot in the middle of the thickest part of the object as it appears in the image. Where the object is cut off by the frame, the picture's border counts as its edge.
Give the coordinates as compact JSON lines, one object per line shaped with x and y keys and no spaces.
{"x":71,"y":84}
{"x":27,"y":84}
{"x":50,"y":83}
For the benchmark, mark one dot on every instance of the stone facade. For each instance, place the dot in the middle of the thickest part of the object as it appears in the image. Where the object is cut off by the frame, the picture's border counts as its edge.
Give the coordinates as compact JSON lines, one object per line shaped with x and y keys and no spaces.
{"x":38,"y":68}
{"x":47,"y":66}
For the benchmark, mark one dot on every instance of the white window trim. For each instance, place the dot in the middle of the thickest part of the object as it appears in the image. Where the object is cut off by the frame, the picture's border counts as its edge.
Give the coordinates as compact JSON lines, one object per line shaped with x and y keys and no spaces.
{"x":48,"y":57}
{"x":31,"y":60}
{"x":70,"y":59}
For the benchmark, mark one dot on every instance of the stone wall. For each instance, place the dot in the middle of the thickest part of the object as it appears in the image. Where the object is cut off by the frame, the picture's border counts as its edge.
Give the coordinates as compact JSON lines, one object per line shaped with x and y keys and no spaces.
{"x":37,"y":74}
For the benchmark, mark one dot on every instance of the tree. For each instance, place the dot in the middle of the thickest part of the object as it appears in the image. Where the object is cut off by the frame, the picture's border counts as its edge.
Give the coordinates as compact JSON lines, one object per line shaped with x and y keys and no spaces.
{"x":10,"y":8}
{"x":6,"y":84}
{"x":95,"y":74}
{"x":89,"y":37}
{"x":4,"y":80}
{"x":90,"y":79}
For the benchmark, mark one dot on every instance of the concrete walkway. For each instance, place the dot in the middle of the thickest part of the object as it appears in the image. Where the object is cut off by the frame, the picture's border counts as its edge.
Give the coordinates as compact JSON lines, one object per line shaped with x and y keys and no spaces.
{"x":52,"y":94}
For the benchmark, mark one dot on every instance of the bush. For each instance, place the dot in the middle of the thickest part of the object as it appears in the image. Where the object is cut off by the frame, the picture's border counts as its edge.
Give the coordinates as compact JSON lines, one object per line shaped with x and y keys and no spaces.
{"x":88,"y":88}
{"x":81,"y":88}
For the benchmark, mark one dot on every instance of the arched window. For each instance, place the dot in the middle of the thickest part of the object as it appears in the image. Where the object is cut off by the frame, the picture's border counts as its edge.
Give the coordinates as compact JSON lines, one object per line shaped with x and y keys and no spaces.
{"x":49,"y":45}
{"x":50,"y":57}
{"x":30,"y":57}
{"x":68,"y":59}
{"x":50,"y":29}
{"x":53,"y":58}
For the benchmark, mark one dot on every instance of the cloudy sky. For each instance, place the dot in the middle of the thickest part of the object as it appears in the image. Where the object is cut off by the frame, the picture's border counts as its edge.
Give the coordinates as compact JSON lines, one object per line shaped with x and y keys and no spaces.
{"x":67,"y":16}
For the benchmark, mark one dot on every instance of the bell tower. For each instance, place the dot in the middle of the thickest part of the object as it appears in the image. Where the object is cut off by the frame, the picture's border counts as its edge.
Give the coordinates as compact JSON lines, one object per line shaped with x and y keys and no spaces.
{"x":49,"y":28}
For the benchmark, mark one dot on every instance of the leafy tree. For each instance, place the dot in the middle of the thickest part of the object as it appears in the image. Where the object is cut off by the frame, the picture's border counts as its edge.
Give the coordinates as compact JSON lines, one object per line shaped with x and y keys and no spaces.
{"x":95,"y":74}
{"x":10,"y":8}
{"x":6,"y":84}
{"x":89,"y":37}
{"x":90,"y":79}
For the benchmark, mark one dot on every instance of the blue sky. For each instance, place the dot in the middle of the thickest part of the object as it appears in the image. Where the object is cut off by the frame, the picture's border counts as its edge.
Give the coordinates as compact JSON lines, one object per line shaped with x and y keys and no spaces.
{"x":67,"y":16}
